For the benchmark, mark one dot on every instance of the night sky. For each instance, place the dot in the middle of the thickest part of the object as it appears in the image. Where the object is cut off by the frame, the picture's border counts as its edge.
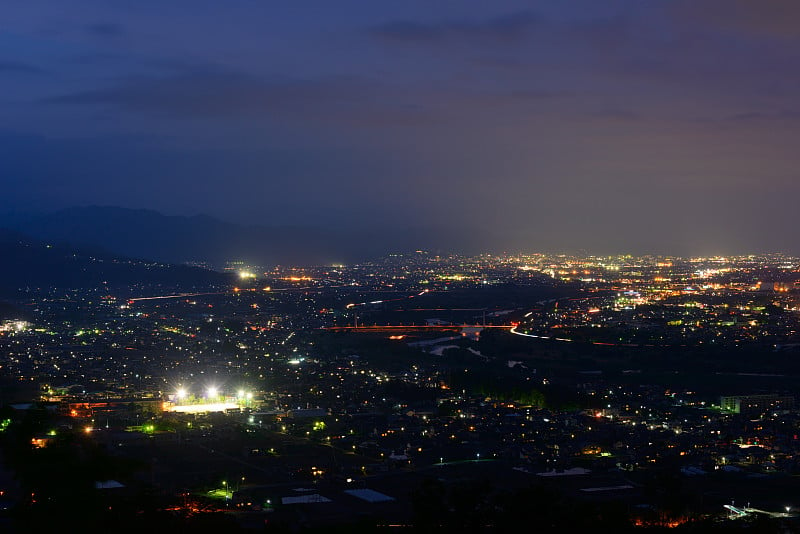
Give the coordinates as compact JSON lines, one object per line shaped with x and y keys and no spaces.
{"x":605,"y":126}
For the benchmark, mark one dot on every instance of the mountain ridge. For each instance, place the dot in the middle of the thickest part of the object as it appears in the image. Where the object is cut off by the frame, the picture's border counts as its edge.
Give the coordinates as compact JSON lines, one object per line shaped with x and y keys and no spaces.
{"x":32,"y":264}
{"x":177,"y":239}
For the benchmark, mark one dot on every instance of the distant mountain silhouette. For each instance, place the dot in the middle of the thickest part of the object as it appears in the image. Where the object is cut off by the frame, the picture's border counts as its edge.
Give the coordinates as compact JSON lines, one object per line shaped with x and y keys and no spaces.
{"x":177,"y":239}
{"x":10,"y":311}
{"x":28,"y":263}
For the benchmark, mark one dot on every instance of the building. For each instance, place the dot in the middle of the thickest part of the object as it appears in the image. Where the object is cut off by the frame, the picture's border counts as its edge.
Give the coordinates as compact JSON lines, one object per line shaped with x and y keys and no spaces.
{"x":756,"y":404}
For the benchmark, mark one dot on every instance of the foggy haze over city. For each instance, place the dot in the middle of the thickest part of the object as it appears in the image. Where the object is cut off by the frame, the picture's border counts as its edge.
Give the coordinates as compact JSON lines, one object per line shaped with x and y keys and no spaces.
{"x":616,"y":127}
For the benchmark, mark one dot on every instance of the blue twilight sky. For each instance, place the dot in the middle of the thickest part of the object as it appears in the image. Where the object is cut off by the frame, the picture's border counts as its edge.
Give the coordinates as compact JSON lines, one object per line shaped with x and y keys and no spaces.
{"x":611,"y":126}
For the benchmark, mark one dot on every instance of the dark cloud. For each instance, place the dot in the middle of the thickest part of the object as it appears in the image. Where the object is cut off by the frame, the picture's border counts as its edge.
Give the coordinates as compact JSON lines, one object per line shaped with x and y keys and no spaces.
{"x":761,"y":116}
{"x":506,"y":28}
{"x":765,"y":18}
{"x":604,"y":34}
{"x":218,"y":94}
{"x":530,"y":94}
{"x":618,"y":114}
{"x":105,"y":29}
{"x":18,"y":67}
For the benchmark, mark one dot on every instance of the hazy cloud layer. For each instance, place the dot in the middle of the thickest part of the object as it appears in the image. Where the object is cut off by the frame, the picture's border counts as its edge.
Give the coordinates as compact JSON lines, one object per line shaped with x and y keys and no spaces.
{"x":17,"y":67}
{"x":501,"y":29}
